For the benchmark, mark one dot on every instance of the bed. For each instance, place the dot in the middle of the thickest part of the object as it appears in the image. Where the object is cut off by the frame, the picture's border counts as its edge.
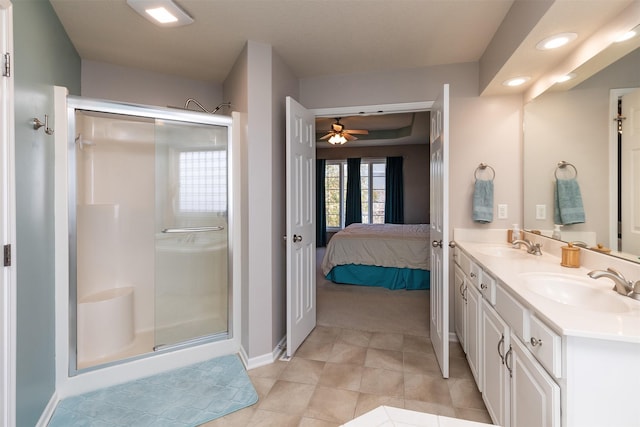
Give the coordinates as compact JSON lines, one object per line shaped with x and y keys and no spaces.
{"x":394,"y":256}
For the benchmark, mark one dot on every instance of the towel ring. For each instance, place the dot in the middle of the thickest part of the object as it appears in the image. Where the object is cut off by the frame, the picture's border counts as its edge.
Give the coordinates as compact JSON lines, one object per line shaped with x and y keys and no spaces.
{"x":482,"y":167}
{"x":562,"y":164}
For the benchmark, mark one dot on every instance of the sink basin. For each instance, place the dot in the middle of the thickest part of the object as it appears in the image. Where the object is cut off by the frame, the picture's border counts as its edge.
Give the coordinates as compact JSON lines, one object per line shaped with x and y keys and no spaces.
{"x":574,"y":291}
{"x":501,"y":251}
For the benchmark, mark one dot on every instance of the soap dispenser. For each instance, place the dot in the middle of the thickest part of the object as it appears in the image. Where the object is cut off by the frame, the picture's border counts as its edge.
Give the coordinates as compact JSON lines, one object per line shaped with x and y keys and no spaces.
{"x":556,"y":232}
{"x":513,"y":234}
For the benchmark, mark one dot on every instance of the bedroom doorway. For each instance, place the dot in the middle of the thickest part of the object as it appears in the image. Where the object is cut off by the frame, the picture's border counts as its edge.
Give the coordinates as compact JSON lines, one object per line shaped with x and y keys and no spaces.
{"x":381,"y":122}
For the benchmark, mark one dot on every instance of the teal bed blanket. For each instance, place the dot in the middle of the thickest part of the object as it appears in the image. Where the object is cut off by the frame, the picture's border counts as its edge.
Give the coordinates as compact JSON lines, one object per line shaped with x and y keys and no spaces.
{"x":387,"y":277}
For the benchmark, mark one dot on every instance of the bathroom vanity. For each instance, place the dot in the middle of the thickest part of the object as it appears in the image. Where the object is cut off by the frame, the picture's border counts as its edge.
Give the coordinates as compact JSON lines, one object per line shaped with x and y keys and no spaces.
{"x":547,"y":345}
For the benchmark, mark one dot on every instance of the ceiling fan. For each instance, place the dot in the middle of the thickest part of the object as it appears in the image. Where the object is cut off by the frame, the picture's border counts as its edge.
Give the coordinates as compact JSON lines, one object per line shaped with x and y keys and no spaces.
{"x":339,"y":135}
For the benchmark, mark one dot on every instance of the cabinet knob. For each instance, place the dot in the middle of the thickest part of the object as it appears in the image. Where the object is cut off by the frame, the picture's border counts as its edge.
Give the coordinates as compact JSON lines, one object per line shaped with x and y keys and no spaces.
{"x":436,"y":243}
{"x":483,"y":286}
{"x":473,"y":275}
{"x":534,"y":341}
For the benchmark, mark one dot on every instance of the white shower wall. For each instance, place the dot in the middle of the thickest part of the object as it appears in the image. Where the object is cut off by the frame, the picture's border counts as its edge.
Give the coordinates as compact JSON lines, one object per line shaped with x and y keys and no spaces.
{"x":116,"y":211}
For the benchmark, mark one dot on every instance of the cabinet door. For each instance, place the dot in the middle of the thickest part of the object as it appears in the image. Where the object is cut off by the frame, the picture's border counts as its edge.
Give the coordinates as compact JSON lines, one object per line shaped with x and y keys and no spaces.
{"x":459,"y":307}
{"x":535,"y":397}
{"x":474,"y":306}
{"x":496,"y":387}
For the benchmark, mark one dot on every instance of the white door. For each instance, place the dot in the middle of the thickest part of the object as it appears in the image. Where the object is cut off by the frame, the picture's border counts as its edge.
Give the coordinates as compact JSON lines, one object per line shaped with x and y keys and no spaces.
{"x":7,"y":222}
{"x":301,"y":211}
{"x":439,"y":172}
{"x":630,"y":185}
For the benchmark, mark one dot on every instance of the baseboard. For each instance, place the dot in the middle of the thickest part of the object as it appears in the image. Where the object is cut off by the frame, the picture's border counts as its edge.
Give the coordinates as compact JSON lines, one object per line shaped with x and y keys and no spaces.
{"x":48,"y":411}
{"x":453,"y":337}
{"x":265,"y":359}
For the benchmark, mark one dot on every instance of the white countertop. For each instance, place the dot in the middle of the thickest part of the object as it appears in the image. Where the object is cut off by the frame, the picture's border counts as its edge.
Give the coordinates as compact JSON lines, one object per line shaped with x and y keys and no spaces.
{"x":565,"y":319}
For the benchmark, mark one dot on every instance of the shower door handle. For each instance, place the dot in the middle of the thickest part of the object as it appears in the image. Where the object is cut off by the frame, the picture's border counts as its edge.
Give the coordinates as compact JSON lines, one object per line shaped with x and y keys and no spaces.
{"x":193,"y":229}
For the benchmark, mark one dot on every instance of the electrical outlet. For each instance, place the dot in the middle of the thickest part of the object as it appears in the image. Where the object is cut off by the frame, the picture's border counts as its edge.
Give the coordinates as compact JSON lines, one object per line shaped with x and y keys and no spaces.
{"x":541,"y":211}
{"x":502,"y":212}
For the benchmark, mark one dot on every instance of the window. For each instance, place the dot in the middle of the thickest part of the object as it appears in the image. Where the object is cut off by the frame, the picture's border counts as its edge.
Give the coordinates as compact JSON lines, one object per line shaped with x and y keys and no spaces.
{"x":372,"y":185}
{"x":203,"y":181}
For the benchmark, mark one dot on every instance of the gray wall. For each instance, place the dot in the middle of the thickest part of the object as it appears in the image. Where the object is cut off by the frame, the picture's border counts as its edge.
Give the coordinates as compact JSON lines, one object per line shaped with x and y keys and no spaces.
{"x":415,"y":173}
{"x":43,"y":57}
{"x":107,"y":81}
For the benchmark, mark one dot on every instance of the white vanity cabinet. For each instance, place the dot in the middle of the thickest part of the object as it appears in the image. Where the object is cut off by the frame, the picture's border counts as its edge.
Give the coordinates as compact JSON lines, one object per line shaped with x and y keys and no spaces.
{"x":459,"y":306}
{"x":538,"y":360}
{"x":516,"y":390}
{"x":534,"y":396}
{"x":467,"y":308}
{"x":496,"y":342}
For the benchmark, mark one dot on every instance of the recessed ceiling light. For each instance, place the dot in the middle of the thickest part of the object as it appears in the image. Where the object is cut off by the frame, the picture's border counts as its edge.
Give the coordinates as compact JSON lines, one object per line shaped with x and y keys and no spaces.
{"x":556,"y":41}
{"x":628,"y":35}
{"x":161,"y":12}
{"x":516,"y":81}
{"x":566,"y":78}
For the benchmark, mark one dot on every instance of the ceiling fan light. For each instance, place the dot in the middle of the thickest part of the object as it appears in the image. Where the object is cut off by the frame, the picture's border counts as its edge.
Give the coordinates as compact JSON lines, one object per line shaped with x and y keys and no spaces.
{"x":337,"y":139}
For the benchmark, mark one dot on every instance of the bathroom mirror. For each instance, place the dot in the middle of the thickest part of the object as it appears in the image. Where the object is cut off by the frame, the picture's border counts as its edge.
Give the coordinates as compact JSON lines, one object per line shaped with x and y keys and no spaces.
{"x":577,"y":126}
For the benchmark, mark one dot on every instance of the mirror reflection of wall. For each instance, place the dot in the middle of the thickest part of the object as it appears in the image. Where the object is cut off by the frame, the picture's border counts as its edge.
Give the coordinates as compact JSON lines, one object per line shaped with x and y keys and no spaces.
{"x":577,"y":126}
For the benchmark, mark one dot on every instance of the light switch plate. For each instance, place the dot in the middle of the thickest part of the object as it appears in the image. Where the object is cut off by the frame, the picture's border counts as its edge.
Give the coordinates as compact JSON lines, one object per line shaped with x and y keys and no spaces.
{"x":502,"y":212}
{"x":541,"y":211}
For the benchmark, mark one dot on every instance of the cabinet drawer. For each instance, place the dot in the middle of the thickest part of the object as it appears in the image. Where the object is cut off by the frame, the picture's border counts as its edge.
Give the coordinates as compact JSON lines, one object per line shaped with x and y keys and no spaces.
{"x":462,"y":260}
{"x":474,"y":273}
{"x":515,"y":314}
{"x":488,"y":287}
{"x":546,"y":346}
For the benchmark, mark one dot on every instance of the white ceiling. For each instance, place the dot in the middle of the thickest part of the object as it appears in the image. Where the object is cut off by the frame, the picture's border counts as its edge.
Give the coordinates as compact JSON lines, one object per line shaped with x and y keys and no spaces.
{"x":323,"y":37}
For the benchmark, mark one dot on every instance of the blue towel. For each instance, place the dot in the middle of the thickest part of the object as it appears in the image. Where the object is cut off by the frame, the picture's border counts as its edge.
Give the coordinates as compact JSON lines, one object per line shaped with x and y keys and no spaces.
{"x":568,"y":207}
{"x":483,"y":201}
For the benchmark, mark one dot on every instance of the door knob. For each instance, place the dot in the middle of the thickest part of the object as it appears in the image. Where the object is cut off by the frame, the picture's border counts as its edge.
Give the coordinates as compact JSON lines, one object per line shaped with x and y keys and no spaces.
{"x":436,"y":243}
{"x":297,"y":238}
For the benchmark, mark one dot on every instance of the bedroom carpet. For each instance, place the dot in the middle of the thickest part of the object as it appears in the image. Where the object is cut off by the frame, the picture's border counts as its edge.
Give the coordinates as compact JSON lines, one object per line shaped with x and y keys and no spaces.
{"x":182,"y":397}
{"x":370,"y":309}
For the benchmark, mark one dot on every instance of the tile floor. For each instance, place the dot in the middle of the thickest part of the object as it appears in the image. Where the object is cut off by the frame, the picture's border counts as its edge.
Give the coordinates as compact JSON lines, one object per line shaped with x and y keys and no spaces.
{"x":338,"y":374}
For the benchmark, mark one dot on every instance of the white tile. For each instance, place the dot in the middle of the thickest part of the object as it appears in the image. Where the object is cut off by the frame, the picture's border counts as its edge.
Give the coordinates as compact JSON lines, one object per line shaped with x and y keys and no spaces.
{"x":405,"y":417}
{"x":456,"y":422}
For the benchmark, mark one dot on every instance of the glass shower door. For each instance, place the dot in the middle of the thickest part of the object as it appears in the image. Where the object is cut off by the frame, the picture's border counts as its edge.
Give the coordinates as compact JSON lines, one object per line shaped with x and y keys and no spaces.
{"x":191,"y":261}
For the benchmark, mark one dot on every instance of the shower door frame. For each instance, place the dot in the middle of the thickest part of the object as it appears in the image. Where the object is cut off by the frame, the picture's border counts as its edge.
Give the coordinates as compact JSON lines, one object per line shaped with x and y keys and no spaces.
{"x":150,"y":112}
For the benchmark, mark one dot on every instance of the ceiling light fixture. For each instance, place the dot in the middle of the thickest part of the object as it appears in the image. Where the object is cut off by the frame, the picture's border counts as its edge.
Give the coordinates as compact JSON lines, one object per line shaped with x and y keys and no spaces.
{"x":516,"y":81}
{"x":161,"y":12}
{"x":566,"y":78}
{"x":628,"y":35}
{"x":337,"y":138}
{"x":556,"y":41}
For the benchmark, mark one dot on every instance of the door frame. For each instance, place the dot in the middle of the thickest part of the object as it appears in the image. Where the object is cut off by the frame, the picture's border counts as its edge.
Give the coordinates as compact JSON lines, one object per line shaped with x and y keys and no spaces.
{"x":8,"y":301}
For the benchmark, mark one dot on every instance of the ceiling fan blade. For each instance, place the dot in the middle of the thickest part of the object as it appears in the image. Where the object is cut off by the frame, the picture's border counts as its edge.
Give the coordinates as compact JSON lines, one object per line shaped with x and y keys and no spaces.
{"x":327,"y":136}
{"x":357,"y":131}
{"x":349,"y":137}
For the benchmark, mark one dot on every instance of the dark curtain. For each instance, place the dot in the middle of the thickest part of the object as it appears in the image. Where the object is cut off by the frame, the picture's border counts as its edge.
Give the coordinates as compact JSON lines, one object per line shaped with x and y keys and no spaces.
{"x":321,"y":213}
{"x":353,"y":212}
{"x":394,"y":192}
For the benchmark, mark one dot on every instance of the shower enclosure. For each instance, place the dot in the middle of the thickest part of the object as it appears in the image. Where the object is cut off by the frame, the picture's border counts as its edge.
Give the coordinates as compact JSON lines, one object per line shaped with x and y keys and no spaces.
{"x":149,"y":230}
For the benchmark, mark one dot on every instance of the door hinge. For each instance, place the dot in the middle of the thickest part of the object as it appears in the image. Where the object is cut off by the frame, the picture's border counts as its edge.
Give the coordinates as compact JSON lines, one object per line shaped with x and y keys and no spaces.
{"x":7,"y":255}
{"x":6,"y":67}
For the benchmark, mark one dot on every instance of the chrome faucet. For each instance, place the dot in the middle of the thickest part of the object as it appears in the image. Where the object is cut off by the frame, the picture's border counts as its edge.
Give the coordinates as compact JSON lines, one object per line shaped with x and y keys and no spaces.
{"x":532,"y":248}
{"x":622,"y":285}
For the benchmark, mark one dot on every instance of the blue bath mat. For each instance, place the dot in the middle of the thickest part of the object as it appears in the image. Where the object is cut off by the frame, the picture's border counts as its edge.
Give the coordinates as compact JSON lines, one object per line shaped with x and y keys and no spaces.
{"x":187,"y":397}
